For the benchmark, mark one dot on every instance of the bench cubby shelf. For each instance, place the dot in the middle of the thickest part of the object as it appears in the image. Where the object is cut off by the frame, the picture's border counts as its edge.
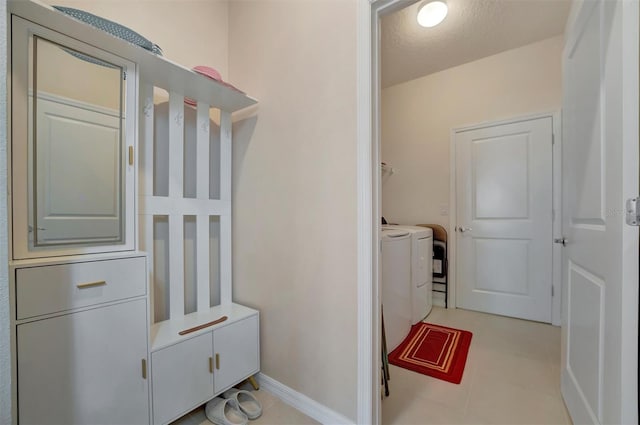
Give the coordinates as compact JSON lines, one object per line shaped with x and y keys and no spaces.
{"x":188,"y":370}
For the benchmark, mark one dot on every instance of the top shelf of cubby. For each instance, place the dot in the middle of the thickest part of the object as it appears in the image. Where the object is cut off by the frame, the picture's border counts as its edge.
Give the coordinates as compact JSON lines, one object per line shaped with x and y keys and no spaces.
{"x":153,"y":69}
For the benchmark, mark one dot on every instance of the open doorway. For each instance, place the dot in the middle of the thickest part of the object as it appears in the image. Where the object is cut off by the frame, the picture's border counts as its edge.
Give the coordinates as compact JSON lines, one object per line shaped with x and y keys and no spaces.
{"x":438,"y":84}
{"x":477,"y":99}
{"x":599,"y":239}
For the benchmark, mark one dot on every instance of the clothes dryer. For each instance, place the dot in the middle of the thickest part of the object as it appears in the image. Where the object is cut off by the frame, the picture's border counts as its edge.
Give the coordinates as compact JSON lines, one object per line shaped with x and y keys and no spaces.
{"x":421,"y":269}
{"x":396,"y":285}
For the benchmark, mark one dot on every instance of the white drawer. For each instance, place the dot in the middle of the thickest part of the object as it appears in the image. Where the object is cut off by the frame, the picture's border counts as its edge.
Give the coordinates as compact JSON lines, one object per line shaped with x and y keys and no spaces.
{"x":51,"y":289}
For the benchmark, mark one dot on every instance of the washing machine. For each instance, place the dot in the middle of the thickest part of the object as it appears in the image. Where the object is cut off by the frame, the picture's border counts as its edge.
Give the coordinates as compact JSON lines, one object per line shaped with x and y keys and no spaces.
{"x":396,"y":285}
{"x":421,"y":269}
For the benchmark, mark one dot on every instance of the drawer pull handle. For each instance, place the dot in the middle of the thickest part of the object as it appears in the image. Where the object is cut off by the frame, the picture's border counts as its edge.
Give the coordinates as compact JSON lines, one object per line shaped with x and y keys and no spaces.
{"x":218,"y":361}
{"x":144,"y":368}
{"x":210,"y":364}
{"x":91,"y":284}
{"x":204,"y":325}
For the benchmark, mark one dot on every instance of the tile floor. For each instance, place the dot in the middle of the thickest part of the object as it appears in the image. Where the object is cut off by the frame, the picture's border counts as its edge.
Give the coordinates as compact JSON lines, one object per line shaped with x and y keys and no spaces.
{"x":274,"y":412}
{"x":512,"y":376}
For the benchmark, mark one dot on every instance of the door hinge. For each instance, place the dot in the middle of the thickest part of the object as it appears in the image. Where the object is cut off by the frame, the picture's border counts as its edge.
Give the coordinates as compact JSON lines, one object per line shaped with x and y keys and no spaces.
{"x":552,"y":294}
{"x":553,"y":138}
{"x":553,"y":215}
{"x":124,"y":75}
{"x":631,"y":216}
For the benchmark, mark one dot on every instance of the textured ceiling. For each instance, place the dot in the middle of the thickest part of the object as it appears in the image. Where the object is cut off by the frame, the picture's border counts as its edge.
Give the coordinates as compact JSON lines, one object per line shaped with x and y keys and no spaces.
{"x":473,"y":29}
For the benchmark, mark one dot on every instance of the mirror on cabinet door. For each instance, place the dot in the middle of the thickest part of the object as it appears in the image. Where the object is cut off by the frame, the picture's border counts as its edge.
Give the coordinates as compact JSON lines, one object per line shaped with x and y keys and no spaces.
{"x":76,"y":147}
{"x":73,"y":121}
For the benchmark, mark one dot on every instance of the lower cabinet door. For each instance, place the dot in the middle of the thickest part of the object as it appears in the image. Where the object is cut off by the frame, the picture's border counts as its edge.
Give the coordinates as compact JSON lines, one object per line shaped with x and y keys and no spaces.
{"x":181,"y":376}
{"x":237,"y":352}
{"x":85,"y":367}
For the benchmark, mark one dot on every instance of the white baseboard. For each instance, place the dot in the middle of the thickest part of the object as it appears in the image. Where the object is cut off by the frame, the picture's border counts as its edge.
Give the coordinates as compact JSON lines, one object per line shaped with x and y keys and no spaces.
{"x":301,"y":402}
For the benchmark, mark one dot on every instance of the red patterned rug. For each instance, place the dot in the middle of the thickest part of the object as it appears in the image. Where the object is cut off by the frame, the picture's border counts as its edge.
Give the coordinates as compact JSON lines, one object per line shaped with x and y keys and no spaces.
{"x":434,"y":350}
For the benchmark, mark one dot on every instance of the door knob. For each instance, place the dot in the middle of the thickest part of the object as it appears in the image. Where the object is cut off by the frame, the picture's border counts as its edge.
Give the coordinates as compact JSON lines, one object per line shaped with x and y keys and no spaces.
{"x":562,"y":241}
{"x":463,"y":229}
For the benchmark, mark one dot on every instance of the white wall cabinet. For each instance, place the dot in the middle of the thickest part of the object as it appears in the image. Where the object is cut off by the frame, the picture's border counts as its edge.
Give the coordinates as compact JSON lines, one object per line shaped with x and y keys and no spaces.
{"x":81,"y":326}
{"x":194,"y":370}
{"x":85,"y":367}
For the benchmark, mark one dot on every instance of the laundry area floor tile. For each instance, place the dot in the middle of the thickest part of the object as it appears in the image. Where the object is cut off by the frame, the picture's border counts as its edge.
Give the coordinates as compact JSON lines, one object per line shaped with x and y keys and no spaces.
{"x":512,"y":376}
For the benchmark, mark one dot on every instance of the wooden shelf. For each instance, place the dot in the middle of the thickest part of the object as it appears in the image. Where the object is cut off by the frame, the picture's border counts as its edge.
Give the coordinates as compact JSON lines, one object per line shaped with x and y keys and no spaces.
{"x":165,"y":333}
{"x":153,"y":69}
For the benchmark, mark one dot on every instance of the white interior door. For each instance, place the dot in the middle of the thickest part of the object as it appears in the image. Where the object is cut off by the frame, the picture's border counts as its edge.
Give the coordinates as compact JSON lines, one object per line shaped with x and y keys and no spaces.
{"x":504,"y":218}
{"x":78,"y":178}
{"x":600,"y":169}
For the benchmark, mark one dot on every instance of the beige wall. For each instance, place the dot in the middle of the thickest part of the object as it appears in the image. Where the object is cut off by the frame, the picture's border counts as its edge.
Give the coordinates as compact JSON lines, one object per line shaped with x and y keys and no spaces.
{"x":295,"y":190}
{"x":190,"y":32}
{"x":418,"y":116}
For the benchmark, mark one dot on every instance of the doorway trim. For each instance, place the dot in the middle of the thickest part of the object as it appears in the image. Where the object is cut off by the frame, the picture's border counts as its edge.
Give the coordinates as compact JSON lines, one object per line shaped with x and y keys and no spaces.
{"x":556,"y":266}
{"x":368,"y":204}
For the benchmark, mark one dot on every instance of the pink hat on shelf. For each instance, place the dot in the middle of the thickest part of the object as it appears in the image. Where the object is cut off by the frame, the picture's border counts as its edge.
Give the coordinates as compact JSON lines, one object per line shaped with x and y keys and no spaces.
{"x":208,"y":72}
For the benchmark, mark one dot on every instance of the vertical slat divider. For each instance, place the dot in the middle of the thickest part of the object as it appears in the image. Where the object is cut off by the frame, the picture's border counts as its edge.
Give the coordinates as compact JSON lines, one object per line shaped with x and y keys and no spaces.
{"x":225,"y":219}
{"x":176,"y":190}
{"x":202,"y":221}
{"x":145,"y":150}
{"x":146,"y":238}
{"x":225,"y":156}
{"x":145,"y":188}
{"x":176,"y":144}
{"x":225,"y":259}
{"x":176,"y":265}
{"x":202,"y":262}
{"x":202,"y":151}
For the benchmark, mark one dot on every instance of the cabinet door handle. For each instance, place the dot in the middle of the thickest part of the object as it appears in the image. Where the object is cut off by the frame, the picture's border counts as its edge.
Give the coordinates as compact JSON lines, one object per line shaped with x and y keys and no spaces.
{"x":210,"y":364}
{"x":91,"y":284}
{"x":144,"y":368}
{"x":217,"y":360}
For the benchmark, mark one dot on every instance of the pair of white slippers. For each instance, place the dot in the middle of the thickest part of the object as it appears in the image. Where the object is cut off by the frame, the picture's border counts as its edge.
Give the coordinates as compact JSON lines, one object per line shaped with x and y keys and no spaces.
{"x":235,"y":407}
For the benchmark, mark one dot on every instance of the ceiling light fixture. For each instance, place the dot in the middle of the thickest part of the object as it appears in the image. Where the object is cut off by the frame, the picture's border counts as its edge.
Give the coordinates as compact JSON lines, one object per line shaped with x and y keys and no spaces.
{"x":432,"y":13}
